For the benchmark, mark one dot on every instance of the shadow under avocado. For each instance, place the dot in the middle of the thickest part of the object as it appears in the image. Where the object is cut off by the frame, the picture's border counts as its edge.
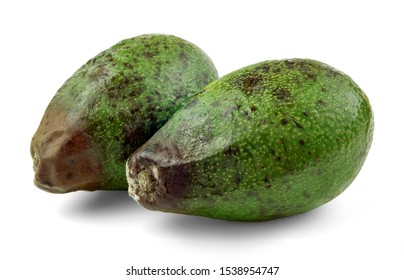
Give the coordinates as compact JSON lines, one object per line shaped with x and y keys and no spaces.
{"x":200,"y":227}
{"x":99,"y":203}
{"x":116,"y":206}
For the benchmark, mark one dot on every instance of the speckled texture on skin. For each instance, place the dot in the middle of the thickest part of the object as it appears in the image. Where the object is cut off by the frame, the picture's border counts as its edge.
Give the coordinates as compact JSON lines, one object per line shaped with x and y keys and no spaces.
{"x":267,"y":141}
{"x":112,"y":105}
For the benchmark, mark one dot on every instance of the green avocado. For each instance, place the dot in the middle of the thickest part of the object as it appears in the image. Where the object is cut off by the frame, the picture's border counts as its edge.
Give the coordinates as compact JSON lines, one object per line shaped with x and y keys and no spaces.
{"x":112,"y":105}
{"x":270,"y":140}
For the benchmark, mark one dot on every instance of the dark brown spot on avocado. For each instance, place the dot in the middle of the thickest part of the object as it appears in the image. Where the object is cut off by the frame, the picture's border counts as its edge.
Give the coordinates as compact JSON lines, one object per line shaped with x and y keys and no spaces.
{"x":289,"y":64}
{"x":238,"y":179}
{"x":184,"y":59}
{"x":253,"y":108}
{"x":321,"y":102}
{"x":250,"y":84}
{"x":264,"y":68}
{"x":267,"y":182}
{"x":331,"y":73}
{"x":301,"y":142}
{"x":281,"y":94}
{"x":284,"y":121}
{"x":306,"y":194}
{"x":231,"y":151}
{"x":311,"y":75}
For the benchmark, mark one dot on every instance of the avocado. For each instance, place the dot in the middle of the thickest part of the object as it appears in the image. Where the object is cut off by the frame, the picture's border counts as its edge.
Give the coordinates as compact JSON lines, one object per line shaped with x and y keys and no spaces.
{"x":267,"y":141}
{"x":112,"y":105}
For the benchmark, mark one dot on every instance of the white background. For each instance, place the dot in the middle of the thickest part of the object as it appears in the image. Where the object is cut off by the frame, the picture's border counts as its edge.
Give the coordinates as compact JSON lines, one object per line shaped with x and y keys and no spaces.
{"x":359,"y":235}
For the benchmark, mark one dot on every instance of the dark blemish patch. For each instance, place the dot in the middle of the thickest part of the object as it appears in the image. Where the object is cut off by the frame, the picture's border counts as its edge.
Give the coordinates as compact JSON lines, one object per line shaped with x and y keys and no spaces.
{"x":126,"y":87}
{"x":321,"y":103}
{"x":311,"y":75}
{"x":250,"y":84}
{"x":298,"y":125}
{"x":284,"y":121}
{"x":134,"y":110}
{"x":231,"y":151}
{"x":331,"y":73}
{"x":264,"y":68}
{"x":289,"y":64}
{"x":184,"y":59}
{"x":98,"y":74}
{"x":307,"y":71}
{"x":253,"y":108}
{"x":133,"y":136}
{"x":324,"y":89}
{"x":278,"y":158}
{"x":306,"y":194}
{"x":301,"y":142}
{"x":272,"y":151}
{"x":277,"y":70}
{"x":246,"y":114}
{"x":237,"y":179}
{"x":282,"y":94}
{"x":305,"y":113}
{"x":267,"y":182}
{"x":338,"y":140}
{"x":150,"y":98}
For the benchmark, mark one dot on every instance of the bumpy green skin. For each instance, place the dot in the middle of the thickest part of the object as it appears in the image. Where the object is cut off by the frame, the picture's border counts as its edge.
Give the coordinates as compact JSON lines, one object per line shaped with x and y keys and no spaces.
{"x":267,"y":141}
{"x":112,"y":105}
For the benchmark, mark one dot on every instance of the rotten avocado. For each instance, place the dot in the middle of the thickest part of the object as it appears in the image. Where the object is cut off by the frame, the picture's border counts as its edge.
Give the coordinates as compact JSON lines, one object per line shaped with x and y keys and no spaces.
{"x":270,"y":140}
{"x":112,"y":105}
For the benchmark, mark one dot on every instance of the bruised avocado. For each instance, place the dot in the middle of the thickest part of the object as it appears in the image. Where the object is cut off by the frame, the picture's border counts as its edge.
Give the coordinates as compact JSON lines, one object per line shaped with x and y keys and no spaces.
{"x":267,"y":141}
{"x":112,"y":105}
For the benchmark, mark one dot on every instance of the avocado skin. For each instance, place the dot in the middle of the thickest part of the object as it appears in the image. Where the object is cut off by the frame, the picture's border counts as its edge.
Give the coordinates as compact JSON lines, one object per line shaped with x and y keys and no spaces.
{"x":110,"y":106}
{"x":267,"y":141}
